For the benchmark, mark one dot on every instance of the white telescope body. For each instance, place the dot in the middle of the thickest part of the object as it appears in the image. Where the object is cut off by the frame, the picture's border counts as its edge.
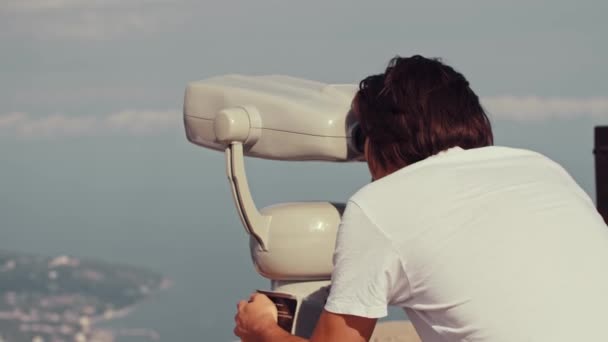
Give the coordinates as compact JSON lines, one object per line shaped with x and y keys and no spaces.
{"x":280,"y":118}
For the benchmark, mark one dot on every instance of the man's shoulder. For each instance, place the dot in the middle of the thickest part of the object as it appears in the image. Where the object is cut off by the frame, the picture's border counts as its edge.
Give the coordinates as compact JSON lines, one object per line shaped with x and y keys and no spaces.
{"x":417,"y":177}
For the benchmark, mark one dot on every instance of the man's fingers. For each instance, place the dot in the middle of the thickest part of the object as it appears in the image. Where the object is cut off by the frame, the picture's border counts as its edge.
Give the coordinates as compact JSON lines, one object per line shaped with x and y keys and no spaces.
{"x":255,"y":296}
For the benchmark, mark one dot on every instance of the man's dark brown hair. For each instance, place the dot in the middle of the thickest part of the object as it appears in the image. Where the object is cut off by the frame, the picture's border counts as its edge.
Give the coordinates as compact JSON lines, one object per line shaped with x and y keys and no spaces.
{"x":417,"y":108}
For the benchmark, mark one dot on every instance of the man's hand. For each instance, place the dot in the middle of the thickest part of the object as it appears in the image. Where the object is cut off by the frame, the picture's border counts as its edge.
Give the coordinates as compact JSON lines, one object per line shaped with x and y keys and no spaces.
{"x":255,"y":317}
{"x":256,"y":321}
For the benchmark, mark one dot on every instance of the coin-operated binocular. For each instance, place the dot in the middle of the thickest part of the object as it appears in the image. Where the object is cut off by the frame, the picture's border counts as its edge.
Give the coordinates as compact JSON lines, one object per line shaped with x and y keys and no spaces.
{"x":280,"y":118}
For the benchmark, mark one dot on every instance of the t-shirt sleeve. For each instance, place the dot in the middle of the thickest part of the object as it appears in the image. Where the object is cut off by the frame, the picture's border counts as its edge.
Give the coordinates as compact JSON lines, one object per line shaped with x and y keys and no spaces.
{"x":368,"y":274}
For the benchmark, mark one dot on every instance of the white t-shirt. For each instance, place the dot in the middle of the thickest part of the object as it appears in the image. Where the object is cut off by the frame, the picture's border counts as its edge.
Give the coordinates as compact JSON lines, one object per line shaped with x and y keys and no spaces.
{"x":490,"y":244}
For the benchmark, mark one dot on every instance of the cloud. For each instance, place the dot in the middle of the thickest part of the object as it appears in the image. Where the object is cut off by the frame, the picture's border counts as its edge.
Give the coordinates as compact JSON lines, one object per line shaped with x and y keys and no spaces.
{"x":147,"y":122}
{"x":533,"y":108}
{"x":87,"y":19}
{"x":142,"y":121}
{"x":132,"y":122}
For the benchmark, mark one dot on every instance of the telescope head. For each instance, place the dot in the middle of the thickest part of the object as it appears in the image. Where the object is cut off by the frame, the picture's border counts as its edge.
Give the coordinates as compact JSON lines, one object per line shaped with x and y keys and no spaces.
{"x":275,"y":117}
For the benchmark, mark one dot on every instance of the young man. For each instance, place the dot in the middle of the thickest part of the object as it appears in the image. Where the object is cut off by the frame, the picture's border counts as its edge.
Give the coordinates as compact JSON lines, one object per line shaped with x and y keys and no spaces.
{"x":474,"y":242}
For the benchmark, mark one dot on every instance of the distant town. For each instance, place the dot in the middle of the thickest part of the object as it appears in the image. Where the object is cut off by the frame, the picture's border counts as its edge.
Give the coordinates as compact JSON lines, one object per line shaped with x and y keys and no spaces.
{"x":61,"y":299}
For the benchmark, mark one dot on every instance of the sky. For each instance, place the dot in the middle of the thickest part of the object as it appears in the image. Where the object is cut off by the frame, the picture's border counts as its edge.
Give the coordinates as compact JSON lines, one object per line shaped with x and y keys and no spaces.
{"x":94,"y":160}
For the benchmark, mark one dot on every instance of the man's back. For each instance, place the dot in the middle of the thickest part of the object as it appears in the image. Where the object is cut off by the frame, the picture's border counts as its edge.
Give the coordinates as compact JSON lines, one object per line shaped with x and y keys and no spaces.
{"x":496,"y":244}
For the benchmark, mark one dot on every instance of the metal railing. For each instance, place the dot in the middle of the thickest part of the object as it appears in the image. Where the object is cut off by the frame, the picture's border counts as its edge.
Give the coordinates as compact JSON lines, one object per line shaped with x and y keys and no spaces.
{"x":601,"y":169}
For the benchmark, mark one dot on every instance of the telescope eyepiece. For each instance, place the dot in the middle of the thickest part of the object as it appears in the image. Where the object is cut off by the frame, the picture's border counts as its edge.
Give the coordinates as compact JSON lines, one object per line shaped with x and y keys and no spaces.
{"x":357,"y":139}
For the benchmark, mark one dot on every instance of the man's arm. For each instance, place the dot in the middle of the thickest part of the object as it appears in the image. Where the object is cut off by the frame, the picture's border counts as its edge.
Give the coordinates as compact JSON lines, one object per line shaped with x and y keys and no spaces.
{"x":256,"y":322}
{"x":336,"y":327}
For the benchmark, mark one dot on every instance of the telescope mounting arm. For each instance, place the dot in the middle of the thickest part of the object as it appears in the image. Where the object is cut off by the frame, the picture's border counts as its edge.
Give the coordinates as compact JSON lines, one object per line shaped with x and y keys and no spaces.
{"x":232,"y":128}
